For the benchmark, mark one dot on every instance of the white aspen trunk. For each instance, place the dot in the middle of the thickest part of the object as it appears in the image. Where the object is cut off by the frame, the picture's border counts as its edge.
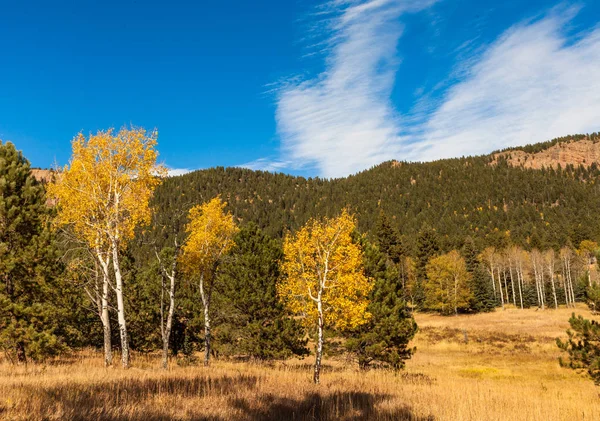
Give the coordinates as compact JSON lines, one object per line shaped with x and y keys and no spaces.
{"x":120,"y":307}
{"x":319,"y":353}
{"x":106,"y":324}
{"x":166,"y":330}
{"x":551,"y":270}
{"x":104,"y":313}
{"x":206,"y":304}
{"x":520,"y":282}
{"x":500,"y":289}
{"x":166,"y":327}
{"x":565,"y":282}
{"x":512,"y":282}
{"x":542,"y":288}
{"x":537,"y":285}
{"x":321,"y":321}
{"x":493,"y":280}
{"x":571,"y":284}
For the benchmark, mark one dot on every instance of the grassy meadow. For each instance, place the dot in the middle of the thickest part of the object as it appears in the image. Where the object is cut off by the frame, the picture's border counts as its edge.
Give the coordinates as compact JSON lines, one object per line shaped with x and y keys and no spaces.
{"x":495,"y":366}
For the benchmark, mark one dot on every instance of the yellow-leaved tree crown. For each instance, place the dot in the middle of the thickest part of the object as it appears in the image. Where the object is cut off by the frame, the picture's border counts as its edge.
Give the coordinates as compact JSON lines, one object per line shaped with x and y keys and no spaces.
{"x":323,"y":262}
{"x":104,"y":192}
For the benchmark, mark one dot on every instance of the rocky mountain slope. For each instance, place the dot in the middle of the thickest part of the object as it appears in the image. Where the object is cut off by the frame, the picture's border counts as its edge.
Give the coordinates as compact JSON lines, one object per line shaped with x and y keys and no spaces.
{"x":561,"y":152}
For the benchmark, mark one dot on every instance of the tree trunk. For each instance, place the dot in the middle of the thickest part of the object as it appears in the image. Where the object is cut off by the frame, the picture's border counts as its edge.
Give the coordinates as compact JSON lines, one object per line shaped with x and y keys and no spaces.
{"x":505,"y":285}
{"x":493,"y":280}
{"x":542,"y":289}
{"x":107,"y":337}
{"x":166,"y":327}
{"x":169,"y":325}
{"x":319,"y":356}
{"x":565,"y":283}
{"x":551,"y":269}
{"x":512,"y":283}
{"x":206,"y":303}
{"x":520,"y":282}
{"x":537,"y":286}
{"x":120,"y":308}
{"x":206,"y":336}
{"x":21,"y":354}
{"x":500,"y":289}
{"x":104,"y":310}
{"x":571,"y":284}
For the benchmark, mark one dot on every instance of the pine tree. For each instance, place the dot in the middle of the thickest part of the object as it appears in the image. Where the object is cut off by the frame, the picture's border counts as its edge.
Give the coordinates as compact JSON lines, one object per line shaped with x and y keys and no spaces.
{"x":480,"y":284}
{"x":29,"y":313}
{"x":387,"y":239}
{"x":384,"y":338}
{"x":427,"y":248}
{"x":253,"y":321}
{"x":583,"y":346}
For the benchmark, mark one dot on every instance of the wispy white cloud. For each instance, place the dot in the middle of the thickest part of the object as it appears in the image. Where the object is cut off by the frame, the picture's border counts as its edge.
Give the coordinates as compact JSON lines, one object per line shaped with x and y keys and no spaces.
{"x":535,"y":82}
{"x":343,"y":121}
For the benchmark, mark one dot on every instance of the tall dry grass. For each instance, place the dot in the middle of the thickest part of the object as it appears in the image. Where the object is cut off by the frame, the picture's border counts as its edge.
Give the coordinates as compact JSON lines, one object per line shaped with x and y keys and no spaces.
{"x":497,"y":366}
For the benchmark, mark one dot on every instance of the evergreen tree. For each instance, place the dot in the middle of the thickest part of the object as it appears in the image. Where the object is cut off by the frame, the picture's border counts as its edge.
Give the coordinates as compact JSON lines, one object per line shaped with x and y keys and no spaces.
{"x":470,"y":254}
{"x":480,"y":283}
{"x":483,"y":293}
{"x":252,"y":321}
{"x":384,"y":339}
{"x":427,"y":248}
{"x":29,"y":312}
{"x":583,"y":346}
{"x":387,"y":239}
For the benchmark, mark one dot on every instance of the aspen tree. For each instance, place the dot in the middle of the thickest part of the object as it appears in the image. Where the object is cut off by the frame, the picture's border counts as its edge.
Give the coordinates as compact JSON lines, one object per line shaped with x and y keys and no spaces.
{"x":167,"y":272}
{"x":324,"y":280}
{"x":489,"y":256}
{"x":588,"y":249}
{"x":550,"y":259}
{"x":519,"y":256}
{"x":538,"y":269}
{"x":566,"y":254}
{"x":447,"y":288}
{"x":211,"y":232}
{"x":103,"y":196}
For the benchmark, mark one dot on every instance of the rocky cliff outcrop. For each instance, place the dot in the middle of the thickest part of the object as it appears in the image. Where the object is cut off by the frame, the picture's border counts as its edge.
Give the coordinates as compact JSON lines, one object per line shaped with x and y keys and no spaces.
{"x":581,"y":152}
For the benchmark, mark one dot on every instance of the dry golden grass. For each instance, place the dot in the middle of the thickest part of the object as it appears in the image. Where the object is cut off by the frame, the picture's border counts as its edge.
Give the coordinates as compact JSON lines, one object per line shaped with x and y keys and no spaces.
{"x":508,"y":370}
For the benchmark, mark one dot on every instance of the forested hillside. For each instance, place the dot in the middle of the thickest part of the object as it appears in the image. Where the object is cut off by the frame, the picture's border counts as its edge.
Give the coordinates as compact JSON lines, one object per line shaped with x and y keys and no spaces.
{"x":494,"y":204}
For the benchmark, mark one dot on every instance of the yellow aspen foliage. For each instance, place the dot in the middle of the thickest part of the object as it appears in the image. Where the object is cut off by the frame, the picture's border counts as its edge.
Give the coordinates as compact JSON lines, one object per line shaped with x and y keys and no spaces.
{"x":210,"y":235}
{"x":323,"y":263}
{"x":104,"y":192}
{"x":447,"y":287}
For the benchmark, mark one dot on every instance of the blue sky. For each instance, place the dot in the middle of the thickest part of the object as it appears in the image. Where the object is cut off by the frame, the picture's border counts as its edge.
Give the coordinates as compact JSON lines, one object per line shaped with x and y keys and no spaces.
{"x":307,"y":87}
